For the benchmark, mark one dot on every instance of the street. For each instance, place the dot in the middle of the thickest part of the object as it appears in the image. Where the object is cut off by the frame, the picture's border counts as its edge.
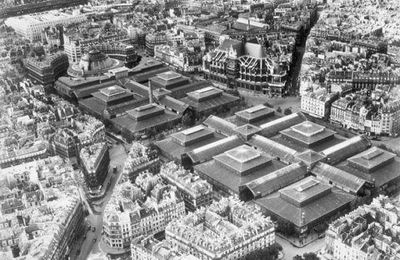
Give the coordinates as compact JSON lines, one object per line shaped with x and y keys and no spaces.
{"x":118,"y":154}
{"x":290,"y":251}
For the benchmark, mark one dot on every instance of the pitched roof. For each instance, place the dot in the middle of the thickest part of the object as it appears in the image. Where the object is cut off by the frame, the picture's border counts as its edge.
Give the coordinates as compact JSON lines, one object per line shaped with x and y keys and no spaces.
{"x":207,"y":151}
{"x":339,"y":177}
{"x":276,"y":180}
{"x":346,"y":149}
{"x":273,"y":148}
{"x":220,"y":125}
{"x":274,"y":127}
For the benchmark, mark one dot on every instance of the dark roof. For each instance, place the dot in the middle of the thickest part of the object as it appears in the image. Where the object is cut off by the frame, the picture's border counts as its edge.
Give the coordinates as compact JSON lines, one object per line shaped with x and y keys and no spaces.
{"x":274,"y":127}
{"x":134,"y":126}
{"x":193,"y":135}
{"x":174,"y":150}
{"x":307,"y":133}
{"x":169,"y":78}
{"x":247,"y":130}
{"x":87,"y":91}
{"x":111,"y":93}
{"x":145,"y":76}
{"x":181,"y":91}
{"x":339,"y":177}
{"x":230,"y":180}
{"x":173,"y":104}
{"x":243,"y":159}
{"x":212,"y":103}
{"x":220,"y":125}
{"x":371,"y":159}
{"x":137,"y":88}
{"x":207,"y":152}
{"x":273,"y":148}
{"x":385,"y":174}
{"x":310,"y":157}
{"x":346,"y":149}
{"x":308,"y":214}
{"x":276,"y":180}
{"x":145,"y":112}
{"x":255,"y":114}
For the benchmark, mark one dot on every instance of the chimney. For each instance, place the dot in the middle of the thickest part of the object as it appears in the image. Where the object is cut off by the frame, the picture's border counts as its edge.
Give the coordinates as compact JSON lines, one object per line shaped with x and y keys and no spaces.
{"x":150,"y":93}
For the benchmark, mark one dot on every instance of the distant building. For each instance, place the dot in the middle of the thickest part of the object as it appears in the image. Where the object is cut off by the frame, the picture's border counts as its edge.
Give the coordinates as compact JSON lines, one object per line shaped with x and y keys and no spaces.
{"x":194,"y":191}
{"x":140,"y":120}
{"x":65,"y":143}
{"x":95,"y":160}
{"x":31,"y":26}
{"x":110,"y":102}
{"x":368,"y":232}
{"x":378,"y":115}
{"x":152,"y":40}
{"x":317,"y":103}
{"x":209,"y":100}
{"x":234,"y":63}
{"x":48,"y":69}
{"x":225,"y":229}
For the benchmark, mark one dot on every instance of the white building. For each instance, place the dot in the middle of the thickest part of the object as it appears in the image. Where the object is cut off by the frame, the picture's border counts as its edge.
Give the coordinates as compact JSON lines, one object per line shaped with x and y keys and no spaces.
{"x":228,"y":229}
{"x":369,"y":232}
{"x":144,"y":209}
{"x":31,"y":26}
{"x":317,"y":103}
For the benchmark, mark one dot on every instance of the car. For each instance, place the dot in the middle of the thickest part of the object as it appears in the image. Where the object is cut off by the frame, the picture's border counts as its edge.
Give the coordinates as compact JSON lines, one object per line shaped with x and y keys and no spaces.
{"x":93,"y":229}
{"x":94,"y":239}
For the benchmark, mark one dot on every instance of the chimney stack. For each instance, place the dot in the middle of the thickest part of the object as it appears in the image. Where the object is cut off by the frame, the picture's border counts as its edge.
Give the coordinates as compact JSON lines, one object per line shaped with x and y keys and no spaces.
{"x":150,"y":93}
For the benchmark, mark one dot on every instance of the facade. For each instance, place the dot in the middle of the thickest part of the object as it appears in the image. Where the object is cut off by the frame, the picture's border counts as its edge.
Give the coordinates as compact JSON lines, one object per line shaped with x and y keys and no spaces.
{"x":31,"y":26}
{"x":79,"y":38}
{"x":65,"y":143}
{"x":368,"y":232}
{"x":140,"y":210}
{"x":152,"y":40}
{"x":48,"y":69}
{"x":375,"y":115}
{"x":228,"y":229}
{"x":317,"y":103}
{"x":194,"y":191}
{"x":95,"y":160}
{"x":246,"y":65}
{"x":182,"y":59}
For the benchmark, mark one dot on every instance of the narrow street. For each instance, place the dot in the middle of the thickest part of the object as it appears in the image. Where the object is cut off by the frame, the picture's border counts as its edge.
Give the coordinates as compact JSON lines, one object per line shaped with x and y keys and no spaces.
{"x":118,"y":154}
{"x":290,"y":251}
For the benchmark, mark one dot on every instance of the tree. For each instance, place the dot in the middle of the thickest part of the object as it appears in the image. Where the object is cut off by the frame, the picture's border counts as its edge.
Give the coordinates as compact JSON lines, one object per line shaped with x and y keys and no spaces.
{"x":287,"y":111}
{"x":188,"y":119}
{"x":298,"y":257}
{"x":286,"y":228}
{"x":279,"y":110}
{"x":310,"y":256}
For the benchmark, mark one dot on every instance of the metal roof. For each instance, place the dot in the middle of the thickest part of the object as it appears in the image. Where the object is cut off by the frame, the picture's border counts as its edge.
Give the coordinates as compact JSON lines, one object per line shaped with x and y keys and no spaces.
{"x":276,"y":180}
{"x":338,"y":177}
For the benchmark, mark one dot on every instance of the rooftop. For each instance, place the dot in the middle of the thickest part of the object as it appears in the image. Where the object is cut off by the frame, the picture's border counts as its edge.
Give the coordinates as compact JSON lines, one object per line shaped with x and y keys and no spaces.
{"x":371,"y":159}
{"x":255,"y":113}
{"x":308,"y":133}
